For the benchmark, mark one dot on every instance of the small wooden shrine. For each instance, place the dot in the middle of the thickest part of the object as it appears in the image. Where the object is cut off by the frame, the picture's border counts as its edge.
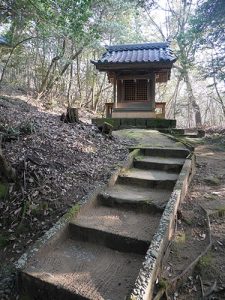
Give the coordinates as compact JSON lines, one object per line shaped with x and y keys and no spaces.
{"x":134,"y":70}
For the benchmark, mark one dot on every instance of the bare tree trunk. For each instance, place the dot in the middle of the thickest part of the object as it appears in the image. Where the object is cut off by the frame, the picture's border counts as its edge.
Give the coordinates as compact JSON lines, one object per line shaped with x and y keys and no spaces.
{"x":99,"y":93}
{"x":192,"y":100}
{"x":93,"y":93}
{"x":171,"y":103}
{"x":220,"y":100}
{"x":79,"y":81}
{"x":70,"y":84}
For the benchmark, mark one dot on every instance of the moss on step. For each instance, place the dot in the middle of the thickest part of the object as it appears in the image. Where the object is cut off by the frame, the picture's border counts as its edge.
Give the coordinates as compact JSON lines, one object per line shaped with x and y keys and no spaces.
{"x":133,"y":134}
{"x":72,"y":212}
{"x":139,"y":157}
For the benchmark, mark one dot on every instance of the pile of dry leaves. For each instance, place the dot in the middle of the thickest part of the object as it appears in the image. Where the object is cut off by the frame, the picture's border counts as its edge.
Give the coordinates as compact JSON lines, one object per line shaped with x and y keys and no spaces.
{"x":56,"y":165}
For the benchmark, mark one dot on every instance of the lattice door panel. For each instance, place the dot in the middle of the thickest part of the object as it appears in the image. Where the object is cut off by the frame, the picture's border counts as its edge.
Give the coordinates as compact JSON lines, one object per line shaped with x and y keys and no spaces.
{"x":141,"y":90}
{"x":129,"y":90}
{"x":135,"y":90}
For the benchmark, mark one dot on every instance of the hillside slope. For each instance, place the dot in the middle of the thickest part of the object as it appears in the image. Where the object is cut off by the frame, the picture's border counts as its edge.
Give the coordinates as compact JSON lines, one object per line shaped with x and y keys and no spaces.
{"x":56,"y":165}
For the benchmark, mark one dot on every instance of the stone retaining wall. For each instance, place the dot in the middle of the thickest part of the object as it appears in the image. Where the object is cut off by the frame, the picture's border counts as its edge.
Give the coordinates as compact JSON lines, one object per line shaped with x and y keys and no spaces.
{"x":119,"y":123}
{"x":146,"y":279}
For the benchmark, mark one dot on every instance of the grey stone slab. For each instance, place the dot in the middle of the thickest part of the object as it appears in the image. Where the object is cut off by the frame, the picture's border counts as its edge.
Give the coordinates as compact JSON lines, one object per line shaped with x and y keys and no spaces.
{"x":166,"y":152}
{"x":81,"y":270}
{"x":159,"y":163}
{"x":123,"y":222}
{"x":148,"y":178}
{"x":143,"y":138}
{"x":135,"y":195}
{"x":161,"y":160}
{"x":155,"y":175}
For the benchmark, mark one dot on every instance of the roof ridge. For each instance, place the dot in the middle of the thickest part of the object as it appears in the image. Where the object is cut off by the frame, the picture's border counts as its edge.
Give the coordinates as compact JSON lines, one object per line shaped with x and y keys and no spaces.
{"x":141,"y":46}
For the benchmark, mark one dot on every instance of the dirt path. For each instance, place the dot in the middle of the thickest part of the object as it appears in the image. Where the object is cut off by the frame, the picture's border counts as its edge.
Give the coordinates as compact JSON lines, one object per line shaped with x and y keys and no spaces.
{"x":207,"y":191}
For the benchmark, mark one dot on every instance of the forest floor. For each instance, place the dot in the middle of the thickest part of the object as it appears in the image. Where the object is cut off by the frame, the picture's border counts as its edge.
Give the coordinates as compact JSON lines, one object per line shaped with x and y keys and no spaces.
{"x":57,"y":164}
{"x":206,"y":196}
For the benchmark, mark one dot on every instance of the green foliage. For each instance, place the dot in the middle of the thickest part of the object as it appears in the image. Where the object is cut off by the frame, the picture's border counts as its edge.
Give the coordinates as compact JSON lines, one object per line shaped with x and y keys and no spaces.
{"x":72,"y":212}
{"x":209,"y":21}
{"x":208,"y":26}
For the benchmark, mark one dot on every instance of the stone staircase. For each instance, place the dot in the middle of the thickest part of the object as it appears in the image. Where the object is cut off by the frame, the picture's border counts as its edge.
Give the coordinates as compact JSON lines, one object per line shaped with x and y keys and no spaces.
{"x":102,"y":250}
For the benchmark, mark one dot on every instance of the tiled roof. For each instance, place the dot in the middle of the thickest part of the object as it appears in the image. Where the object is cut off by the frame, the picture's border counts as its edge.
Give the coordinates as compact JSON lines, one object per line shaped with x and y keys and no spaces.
{"x":137,"y":53}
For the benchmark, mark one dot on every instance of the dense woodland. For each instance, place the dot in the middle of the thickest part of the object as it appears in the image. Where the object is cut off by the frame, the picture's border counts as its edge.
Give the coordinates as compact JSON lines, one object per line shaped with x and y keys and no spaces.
{"x":51,"y":43}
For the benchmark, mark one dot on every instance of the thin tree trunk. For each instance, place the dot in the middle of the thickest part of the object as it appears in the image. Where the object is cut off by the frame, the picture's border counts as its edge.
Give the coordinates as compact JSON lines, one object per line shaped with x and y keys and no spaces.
{"x":99,"y":94}
{"x":220,"y":100}
{"x":79,"y":81}
{"x":192,"y":100}
{"x":70,"y":84}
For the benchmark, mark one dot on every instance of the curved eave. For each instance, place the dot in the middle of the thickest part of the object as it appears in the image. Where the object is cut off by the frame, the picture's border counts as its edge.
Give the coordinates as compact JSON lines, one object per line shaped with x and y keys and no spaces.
{"x":105,"y":66}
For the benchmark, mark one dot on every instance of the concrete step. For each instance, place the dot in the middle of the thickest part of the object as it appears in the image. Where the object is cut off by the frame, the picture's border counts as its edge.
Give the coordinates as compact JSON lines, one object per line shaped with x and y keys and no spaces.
{"x":159,"y":163}
{"x":166,"y":152}
{"x":148,"y":178}
{"x":115,"y":228}
{"x":80,"y":270}
{"x":99,"y":253}
{"x":135,"y":196}
{"x":109,"y":239}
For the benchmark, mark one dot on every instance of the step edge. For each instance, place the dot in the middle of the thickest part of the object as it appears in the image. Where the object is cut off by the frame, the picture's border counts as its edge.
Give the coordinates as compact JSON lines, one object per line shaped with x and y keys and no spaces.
{"x":141,"y":245}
